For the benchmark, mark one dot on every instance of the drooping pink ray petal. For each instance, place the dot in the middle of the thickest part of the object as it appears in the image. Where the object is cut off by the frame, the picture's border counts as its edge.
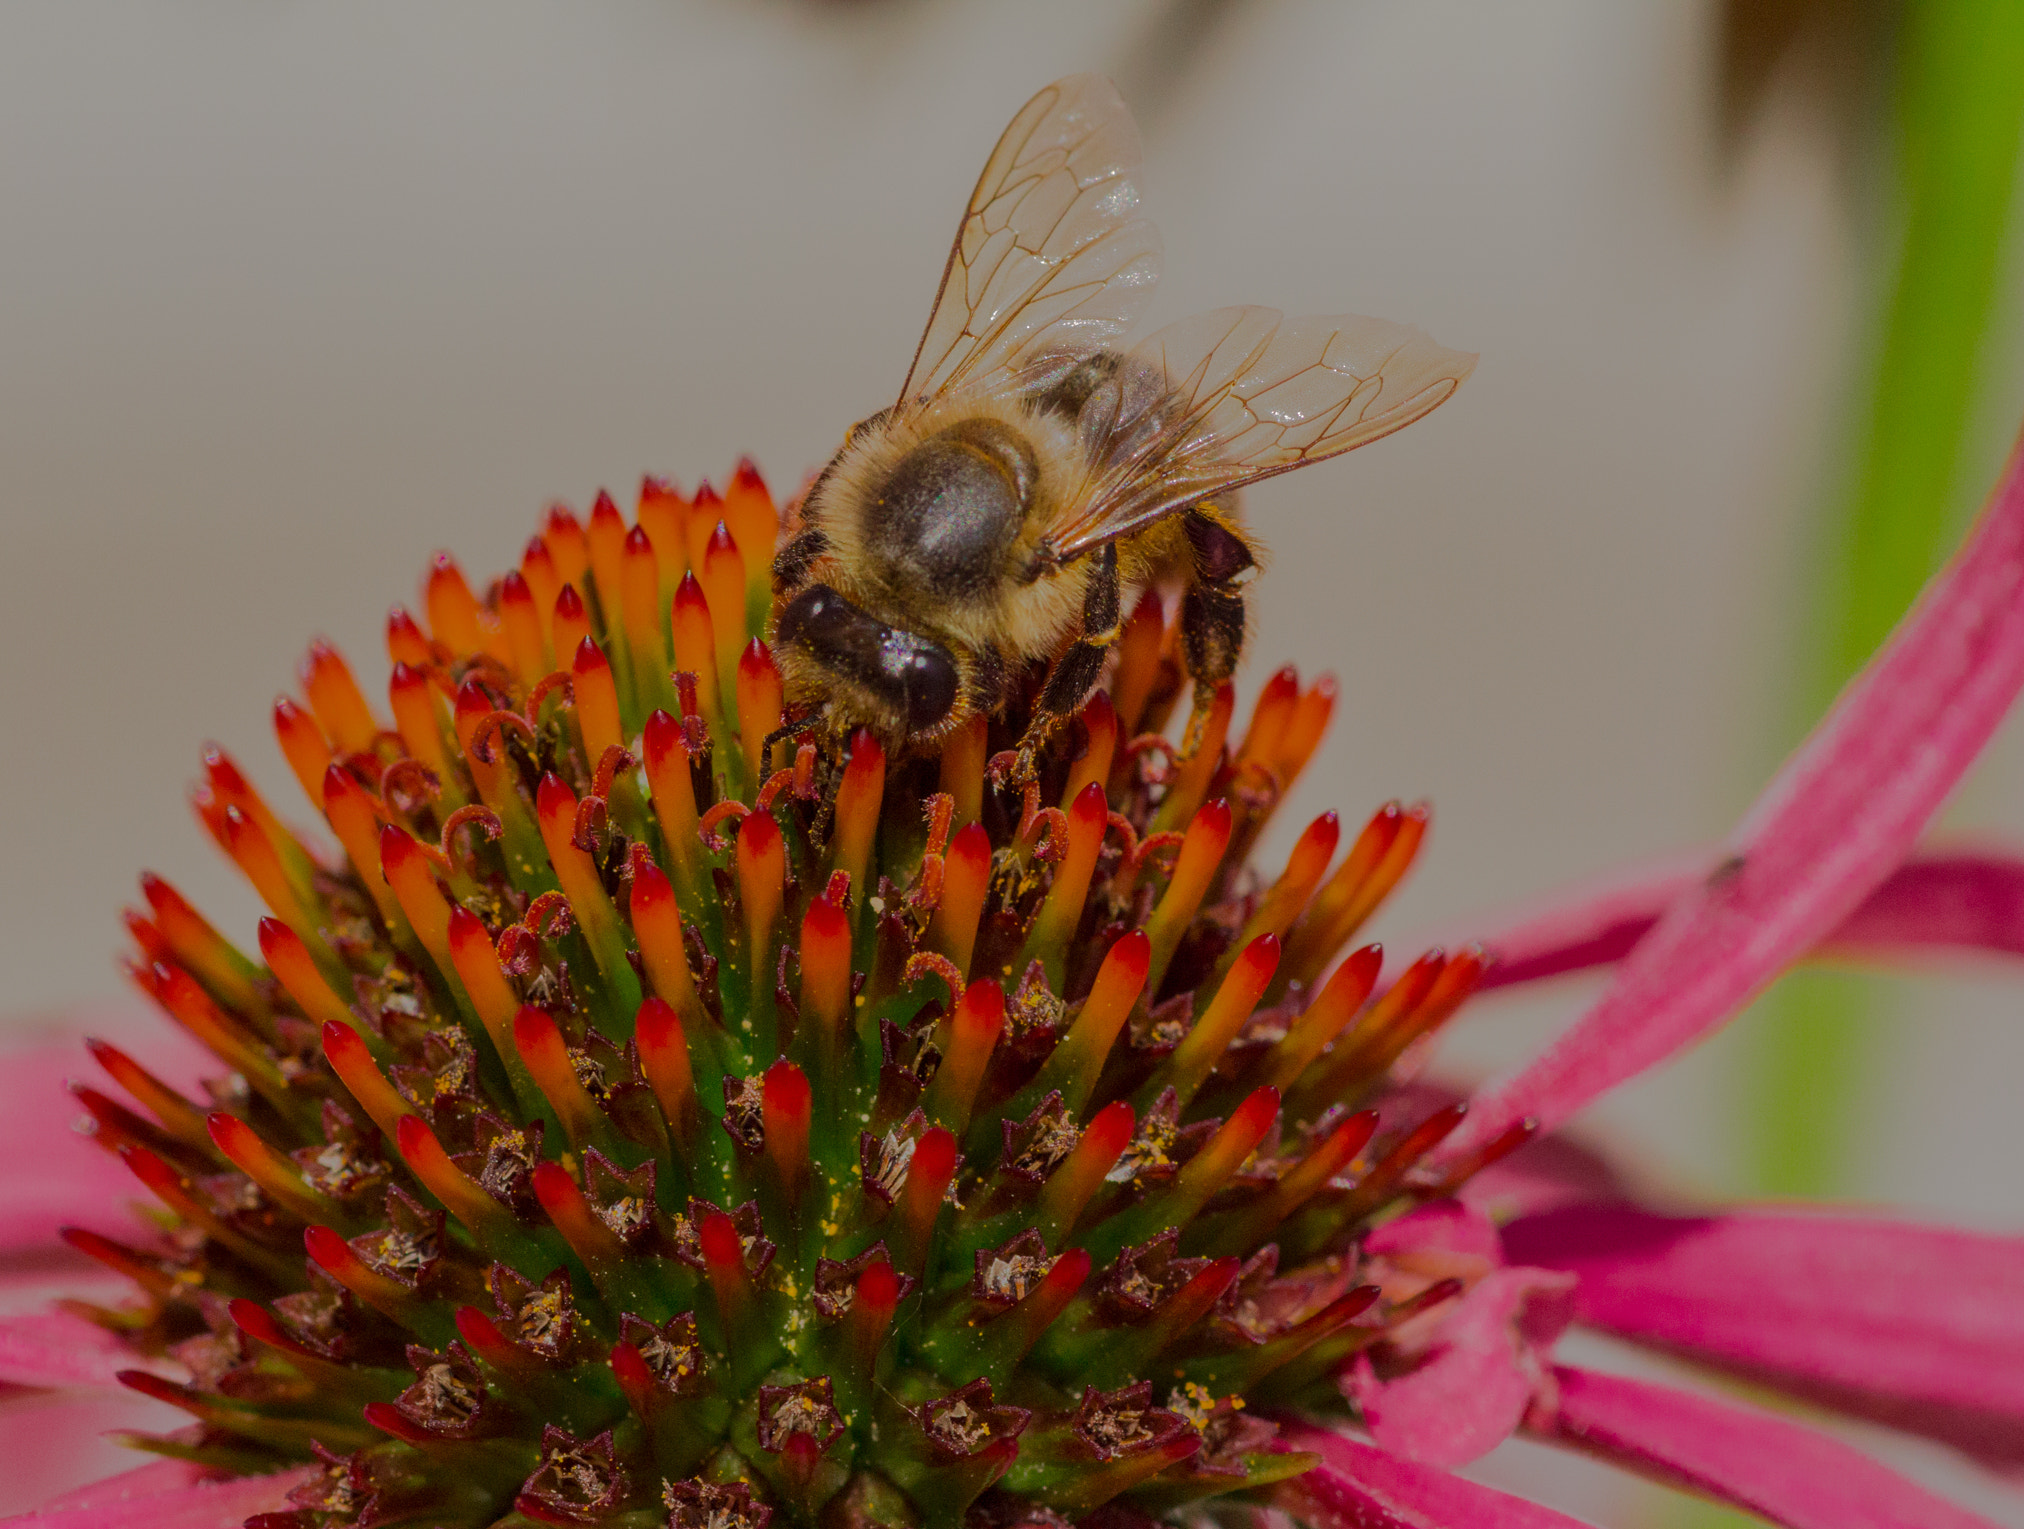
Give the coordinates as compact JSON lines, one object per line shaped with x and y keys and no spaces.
{"x":1841,"y":815}
{"x":1360,"y":1487}
{"x":1580,"y":928}
{"x":29,"y":1284}
{"x":196,"y":1505}
{"x":1941,"y":900}
{"x":1442,"y":1237}
{"x":54,"y":1348}
{"x":1486,"y":1369}
{"x":54,"y":1442}
{"x":1937,"y":901}
{"x":55,"y":1176}
{"x":1764,"y":1464}
{"x":149,"y":1480}
{"x":92,"y":1190}
{"x":1913,"y":1326}
{"x":1543,"y":1175}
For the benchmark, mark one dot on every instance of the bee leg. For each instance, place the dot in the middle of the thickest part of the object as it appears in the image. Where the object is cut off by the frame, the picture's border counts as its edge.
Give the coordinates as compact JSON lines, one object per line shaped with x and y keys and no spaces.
{"x":1212,"y":612}
{"x":1212,"y":633}
{"x":785,"y":732}
{"x":1075,"y":673}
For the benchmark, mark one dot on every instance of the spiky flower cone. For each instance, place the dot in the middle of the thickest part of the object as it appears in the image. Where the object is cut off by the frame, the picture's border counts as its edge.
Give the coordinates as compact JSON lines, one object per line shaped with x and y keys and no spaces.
{"x":625,"y":1131}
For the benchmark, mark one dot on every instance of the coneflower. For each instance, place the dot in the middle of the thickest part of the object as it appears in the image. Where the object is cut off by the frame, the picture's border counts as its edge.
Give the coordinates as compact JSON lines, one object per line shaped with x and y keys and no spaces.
{"x":660,"y":1113}
{"x":660,"y":1110}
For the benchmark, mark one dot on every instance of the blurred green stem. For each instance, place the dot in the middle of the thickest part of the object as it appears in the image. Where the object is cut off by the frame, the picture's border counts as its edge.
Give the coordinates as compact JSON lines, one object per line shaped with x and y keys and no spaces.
{"x":1959,"y":113}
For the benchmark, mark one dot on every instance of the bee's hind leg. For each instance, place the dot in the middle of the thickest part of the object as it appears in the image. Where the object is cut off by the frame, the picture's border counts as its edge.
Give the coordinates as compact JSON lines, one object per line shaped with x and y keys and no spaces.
{"x":1212,"y":613}
{"x":1074,"y":674}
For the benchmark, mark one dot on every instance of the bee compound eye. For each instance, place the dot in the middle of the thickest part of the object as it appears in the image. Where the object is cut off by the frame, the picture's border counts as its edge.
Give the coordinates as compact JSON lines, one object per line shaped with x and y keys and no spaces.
{"x":926,"y":674}
{"x":811,"y":618}
{"x":911,"y":676}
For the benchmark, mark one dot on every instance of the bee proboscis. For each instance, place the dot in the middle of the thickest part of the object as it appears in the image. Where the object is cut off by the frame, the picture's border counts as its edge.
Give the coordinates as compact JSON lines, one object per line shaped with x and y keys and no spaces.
{"x":1032,"y":478}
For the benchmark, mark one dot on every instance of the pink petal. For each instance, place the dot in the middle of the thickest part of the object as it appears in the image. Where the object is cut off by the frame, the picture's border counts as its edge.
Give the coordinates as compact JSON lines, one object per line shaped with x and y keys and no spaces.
{"x":29,"y":1284}
{"x":54,"y":1348}
{"x":1958,"y":900}
{"x":1912,"y":1326}
{"x":196,"y":1505}
{"x":1753,"y":1460}
{"x":1542,"y":1175}
{"x":1595,"y":924}
{"x":142,"y":1481}
{"x":53,"y":1442}
{"x":1484,"y":1373}
{"x":1444,"y":1229}
{"x":1840,"y":817}
{"x":56,"y":1177}
{"x":1937,"y":900}
{"x":1358,"y":1487}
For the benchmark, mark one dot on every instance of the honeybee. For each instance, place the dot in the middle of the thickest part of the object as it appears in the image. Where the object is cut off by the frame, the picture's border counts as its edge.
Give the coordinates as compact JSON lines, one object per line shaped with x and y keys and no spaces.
{"x":1032,"y":478}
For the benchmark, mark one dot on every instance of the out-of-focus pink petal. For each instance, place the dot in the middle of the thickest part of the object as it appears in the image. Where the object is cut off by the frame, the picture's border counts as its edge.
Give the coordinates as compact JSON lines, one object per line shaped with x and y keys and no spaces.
{"x":53,"y":1442}
{"x":54,"y":1348}
{"x":30,"y":1284}
{"x":1443,"y":1230}
{"x":1544,"y":1174}
{"x":1358,"y":1487}
{"x":56,"y":1177}
{"x":1483,"y":1373}
{"x":1582,"y":927}
{"x":1842,"y":814}
{"x":149,"y":1480}
{"x":1761,"y":1463}
{"x":1936,"y":901}
{"x":1940,"y":901}
{"x":1912,"y":1326}
{"x":195,"y":1505}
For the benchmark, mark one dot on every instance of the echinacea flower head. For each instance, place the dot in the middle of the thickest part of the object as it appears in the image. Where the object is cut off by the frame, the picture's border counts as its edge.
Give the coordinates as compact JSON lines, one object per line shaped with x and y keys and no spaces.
{"x":660,"y":1112}
{"x":649,"y":1107}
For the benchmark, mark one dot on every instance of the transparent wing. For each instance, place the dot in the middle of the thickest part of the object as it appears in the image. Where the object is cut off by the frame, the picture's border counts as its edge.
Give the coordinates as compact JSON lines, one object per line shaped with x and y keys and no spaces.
{"x":1218,"y":401}
{"x":1051,"y":254}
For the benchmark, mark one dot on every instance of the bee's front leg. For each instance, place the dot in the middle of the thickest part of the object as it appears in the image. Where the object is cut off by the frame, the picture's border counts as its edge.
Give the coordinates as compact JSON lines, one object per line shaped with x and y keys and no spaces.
{"x":1075,"y":673}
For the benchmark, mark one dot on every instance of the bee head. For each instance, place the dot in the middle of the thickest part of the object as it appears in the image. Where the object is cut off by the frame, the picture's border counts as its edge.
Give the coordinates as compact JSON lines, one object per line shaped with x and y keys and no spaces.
{"x":907,"y":684}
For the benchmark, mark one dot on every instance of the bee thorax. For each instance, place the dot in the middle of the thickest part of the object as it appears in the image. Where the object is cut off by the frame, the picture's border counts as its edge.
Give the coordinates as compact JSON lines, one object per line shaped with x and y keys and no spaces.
{"x":952,"y":507}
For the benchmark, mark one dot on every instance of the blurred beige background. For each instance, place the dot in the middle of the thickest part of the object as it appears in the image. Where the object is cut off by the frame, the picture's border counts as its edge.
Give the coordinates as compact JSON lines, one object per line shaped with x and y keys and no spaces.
{"x":292,"y":294}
